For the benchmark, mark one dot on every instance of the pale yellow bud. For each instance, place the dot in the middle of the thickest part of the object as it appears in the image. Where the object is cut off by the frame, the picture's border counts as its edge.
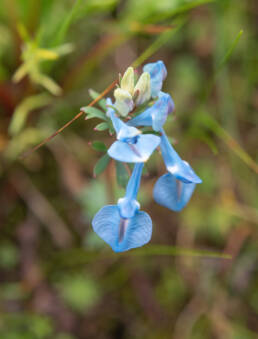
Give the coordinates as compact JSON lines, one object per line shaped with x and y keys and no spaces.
{"x":142,"y":90}
{"x":127,"y":81}
{"x":124,"y":102}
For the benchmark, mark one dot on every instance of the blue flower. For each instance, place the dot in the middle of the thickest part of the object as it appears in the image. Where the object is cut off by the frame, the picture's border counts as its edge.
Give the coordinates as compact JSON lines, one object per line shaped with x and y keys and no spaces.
{"x":158,"y":73}
{"x":172,"y":193}
{"x":156,"y":115}
{"x":124,"y":226}
{"x":175,"y":165}
{"x":130,"y":145}
{"x":174,"y":189}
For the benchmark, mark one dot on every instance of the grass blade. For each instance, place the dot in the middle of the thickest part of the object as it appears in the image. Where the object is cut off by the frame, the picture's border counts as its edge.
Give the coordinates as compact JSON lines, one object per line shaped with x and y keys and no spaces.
{"x":60,"y":36}
{"x":175,"y":251}
{"x":229,"y":52}
{"x":158,"y":43}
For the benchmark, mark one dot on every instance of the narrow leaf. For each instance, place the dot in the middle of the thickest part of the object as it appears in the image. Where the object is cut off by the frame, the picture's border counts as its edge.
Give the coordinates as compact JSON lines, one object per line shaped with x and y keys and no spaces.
{"x":48,"y":83}
{"x":94,"y":95}
{"x":101,"y":165}
{"x":24,"y":108}
{"x":101,"y":127}
{"x":94,"y":113}
{"x":46,"y":54}
{"x":99,"y":146}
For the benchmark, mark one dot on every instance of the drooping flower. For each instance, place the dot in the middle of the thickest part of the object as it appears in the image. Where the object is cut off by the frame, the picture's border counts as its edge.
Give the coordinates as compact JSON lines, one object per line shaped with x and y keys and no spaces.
{"x":158,"y":73}
{"x":156,"y":115}
{"x":175,"y":165}
{"x":172,"y":193}
{"x":130,"y":145}
{"x":174,"y":189}
{"x":124,"y":226}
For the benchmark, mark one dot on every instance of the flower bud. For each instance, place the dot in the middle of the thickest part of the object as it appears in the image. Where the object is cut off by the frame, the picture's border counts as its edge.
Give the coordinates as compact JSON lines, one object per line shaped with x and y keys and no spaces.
{"x":127,"y":81}
{"x":143,"y":89}
{"x":124,"y":102}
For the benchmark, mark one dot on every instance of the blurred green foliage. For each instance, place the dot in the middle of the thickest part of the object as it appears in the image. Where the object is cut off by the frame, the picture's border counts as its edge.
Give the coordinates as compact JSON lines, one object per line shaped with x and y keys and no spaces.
{"x":79,"y":292}
{"x":57,"y":278}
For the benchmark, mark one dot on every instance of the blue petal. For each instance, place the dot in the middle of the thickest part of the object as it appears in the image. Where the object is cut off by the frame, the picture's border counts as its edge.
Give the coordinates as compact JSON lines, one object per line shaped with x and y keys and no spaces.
{"x":158,"y":73}
{"x":140,"y":151}
{"x":128,"y":207}
{"x":183,"y":171}
{"x":119,"y":233}
{"x":110,"y":110}
{"x":143,"y":119}
{"x":163,"y":106}
{"x":126,"y":132}
{"x":175,"y":165}
{"x":172,"y":193}
{"x":122,"y":130}
{"x":156,"y":115}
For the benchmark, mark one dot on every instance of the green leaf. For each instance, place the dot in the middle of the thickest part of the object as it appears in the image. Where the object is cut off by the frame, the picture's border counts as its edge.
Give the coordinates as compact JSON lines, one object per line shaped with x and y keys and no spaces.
{"x":24,"y":108}
{"x":26,"y":138}
{"x":122,"y":176}
{"x":94,"y":112}
{"x":101,"y":102}
{"x":102,"y":126}
{"x":99,"y":146}
{"x":95,"y":6}
{"x":101,"y":165}
{"x":48,"y":83}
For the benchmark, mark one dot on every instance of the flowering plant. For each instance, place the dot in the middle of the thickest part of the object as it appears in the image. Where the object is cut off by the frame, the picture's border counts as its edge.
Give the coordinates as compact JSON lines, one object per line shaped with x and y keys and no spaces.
{"x":124,"y":226}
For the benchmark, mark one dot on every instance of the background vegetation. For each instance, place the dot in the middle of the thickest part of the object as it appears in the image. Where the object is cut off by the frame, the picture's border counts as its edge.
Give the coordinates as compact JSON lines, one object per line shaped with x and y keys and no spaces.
{"x":58,"y":280}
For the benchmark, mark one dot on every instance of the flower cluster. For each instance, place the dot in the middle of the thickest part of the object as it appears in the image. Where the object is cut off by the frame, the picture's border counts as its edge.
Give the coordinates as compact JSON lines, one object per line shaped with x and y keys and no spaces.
{"x":124,"y":226}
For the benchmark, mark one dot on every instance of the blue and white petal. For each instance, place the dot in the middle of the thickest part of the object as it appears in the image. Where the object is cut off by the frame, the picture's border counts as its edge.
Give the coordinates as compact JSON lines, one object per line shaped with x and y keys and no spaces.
{"x":127,"y":132}
{"x":172,"y":193}
{"x":175,"y":165}
{"x":158,"y":73}
{"x":182,"y":171}
{"x":156,"y":115}
{"x":128,"y":207}
{"x":122,"y":130}
{"x":110,"y":110}
{"x":138,"y":150}
{"x":119,"y":233}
